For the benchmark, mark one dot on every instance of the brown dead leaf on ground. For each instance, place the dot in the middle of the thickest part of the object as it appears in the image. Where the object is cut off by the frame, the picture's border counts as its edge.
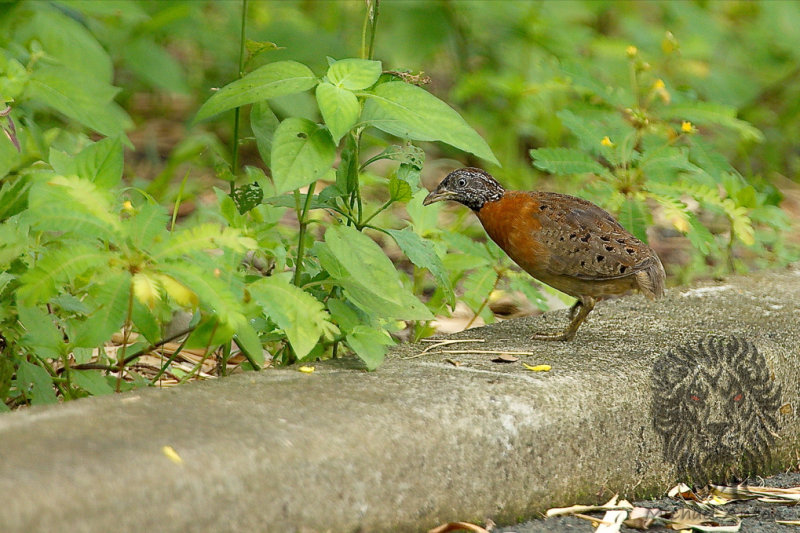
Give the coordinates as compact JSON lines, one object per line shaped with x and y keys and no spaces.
{"x":458,"y":526}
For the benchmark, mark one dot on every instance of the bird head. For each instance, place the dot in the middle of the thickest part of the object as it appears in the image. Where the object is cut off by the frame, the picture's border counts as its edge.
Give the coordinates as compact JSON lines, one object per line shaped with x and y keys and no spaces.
{"x":472,"y":187}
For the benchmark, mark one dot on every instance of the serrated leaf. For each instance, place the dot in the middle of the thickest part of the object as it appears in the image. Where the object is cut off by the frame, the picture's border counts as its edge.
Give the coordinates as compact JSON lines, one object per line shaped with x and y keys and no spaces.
{"x":55,"y":267}
{"x":354,"y":74}
{"x":202,"y":238}
{"x":13,"y":195}
{"x":108,"y":317}
{"x":369,"y":344}
{"x":146,"y":288}
{"x":263,"y":122}
{"x":145,"y":227}
{"x":339,"y":107}
{"x":36,"y":383}
{"x":214,"y":294}
{"x":712,"y":113}
{"x":299,"y":314}
{"x":92,"y":381}
{"x":268,"y":81}
{"x":399,"y":190}
{"x":301,"y":153}
{"x":101,"y":162}
{"x":41,"y":336}
{"x":411,"y":112}
{"x":145,"y":322}
{"x":632,"y":218}
{"x":565,"y":161}
{"x":369,"y":277}
{"x":420,"y":252}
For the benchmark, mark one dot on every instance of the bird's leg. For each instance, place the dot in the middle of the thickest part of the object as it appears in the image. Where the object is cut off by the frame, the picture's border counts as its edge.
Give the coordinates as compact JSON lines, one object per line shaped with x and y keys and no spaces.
{"x":578,"y":313}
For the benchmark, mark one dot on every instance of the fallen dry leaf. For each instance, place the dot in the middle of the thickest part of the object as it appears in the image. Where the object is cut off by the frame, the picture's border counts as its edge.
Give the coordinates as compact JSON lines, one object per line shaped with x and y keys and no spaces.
{"x":458,"y":526}
{"x":690,"y":519}
{"x":788,"y":522}
{"x":612,"y":522}
{"x":642,"y":517}
{"x":172,"y":455}
{"x":505,"y":358}
{"x":611,"y":505}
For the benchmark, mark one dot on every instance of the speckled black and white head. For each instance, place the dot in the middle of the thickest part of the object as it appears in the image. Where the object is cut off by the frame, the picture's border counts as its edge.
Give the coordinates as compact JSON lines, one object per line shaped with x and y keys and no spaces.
{"x":472,"y":187}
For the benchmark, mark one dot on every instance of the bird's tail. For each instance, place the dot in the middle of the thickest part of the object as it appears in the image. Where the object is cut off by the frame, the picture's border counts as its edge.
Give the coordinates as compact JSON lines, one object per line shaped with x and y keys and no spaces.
{"x":651,"y":279}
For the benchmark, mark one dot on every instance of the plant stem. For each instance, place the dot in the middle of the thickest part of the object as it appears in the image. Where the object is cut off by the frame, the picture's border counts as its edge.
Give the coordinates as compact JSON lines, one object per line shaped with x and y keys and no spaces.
{"x":126,"y":332}
{"x":374,"y":17}
{"x":361,"y":225}
{"x":206,"y":352}
{"x":236,"y":113}
{"x":301,"y":241}
{"x":485,"y":301}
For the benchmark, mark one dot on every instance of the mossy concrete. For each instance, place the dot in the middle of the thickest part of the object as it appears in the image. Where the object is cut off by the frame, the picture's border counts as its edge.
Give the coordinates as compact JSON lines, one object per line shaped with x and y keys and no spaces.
{"x":418,"y":442}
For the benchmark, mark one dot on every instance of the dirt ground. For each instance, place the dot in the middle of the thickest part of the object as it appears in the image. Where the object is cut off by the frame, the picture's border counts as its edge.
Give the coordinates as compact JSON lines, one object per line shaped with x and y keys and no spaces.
{"x":756,"y":517}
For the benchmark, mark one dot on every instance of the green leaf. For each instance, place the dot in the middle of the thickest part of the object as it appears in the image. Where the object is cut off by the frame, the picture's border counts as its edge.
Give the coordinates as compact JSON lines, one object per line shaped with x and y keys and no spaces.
{"x":154,"y":65}
{"x":13,"y":195}
{"x":712,"y":113}
{"x":301,"y":153}
{"x":92,"y":381}
{"x":301,"y":316}
{"x":410,"y":112}
{"x":214,"y":294}
{"x":478,"y":287}
{"x":101,"y":162}
{"x":368,"y":276}
{"x":108,"y":317}
{"x":632,"y":218}
{"x":420,"y":252}
{"x":369,"y":344}
{"x":268,"y":81}
{"x":354,"y":74}
{"x":70,"y":203}
{"x":400,"y":190}
{"x":247,"y":196}
{"x":588,"y":132}
{"x":42,"y":336}
{"x":339,"y":108}
{"x":147,"y":226}
{"x":263,"y":123}
{"x":56,"y":267}
{"x":145,"y":322}
{"x":664,"y":162}
{"x":36,"y":383}
{"x":247,"y":340}
{"x":87,"y":100}
{"x":565,"y":161}
{"x":202,"y":238}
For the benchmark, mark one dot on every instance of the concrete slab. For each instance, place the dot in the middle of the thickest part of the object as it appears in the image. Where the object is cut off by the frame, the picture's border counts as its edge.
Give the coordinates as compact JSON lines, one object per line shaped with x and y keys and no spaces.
{"x":421,"y":441}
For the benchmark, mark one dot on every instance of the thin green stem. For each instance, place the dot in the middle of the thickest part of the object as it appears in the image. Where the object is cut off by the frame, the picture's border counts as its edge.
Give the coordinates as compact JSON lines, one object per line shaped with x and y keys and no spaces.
{"x":301,"y":241}
{"x":178,"y":201}
{"x":374,"y":24}
{"x":485,"y":301}
{"x":126,"y":332}
{"x":222,"y":367}
{"x":169,"y":361}
{"x":373,"y":215}
{"x":237,"y":112}
{"x":196,"y":370}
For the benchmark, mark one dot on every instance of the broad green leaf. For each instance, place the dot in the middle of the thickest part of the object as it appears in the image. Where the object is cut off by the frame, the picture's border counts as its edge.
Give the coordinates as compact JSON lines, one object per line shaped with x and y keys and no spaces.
{"x":268,"y":81}
{"x":36,"y":383}
{"x":301,"y":153}
{"x":339,"y":108}
{"x":400,"y":190}
{"x":354,"y":74}
{"x":41,"y":336}
{"x":369,"y":344}
{"x":56,"y":267}
{"x":247,"y":340}
{"x":101,"y":163}
{"x":301,"y":316}
{"x":422,"y":254}
{"x":112,"y":299}
{"x":92,"y":381}
{"x":263,"y":122}
{"x":565,"y":161}
{"x":147,"y":226}
{"x":343,"y":314}
{"x":369,"y":277}
{"x":632,"y":217}
{"x":410,"y":112}
{"x":87,"y":100}
{"x":246,"y":197}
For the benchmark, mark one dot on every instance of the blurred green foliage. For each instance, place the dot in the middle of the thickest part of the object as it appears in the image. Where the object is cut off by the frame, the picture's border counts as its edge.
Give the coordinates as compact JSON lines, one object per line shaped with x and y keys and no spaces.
{"x":681,"y":117}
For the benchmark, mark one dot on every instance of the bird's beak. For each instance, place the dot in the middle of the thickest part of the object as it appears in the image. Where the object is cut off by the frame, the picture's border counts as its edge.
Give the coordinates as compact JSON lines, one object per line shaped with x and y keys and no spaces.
{"x":438,"y":196}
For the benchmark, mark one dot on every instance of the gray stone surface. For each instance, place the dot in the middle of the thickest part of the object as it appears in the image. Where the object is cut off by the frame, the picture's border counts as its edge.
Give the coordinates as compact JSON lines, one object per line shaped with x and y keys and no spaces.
{"x":416,"y":443}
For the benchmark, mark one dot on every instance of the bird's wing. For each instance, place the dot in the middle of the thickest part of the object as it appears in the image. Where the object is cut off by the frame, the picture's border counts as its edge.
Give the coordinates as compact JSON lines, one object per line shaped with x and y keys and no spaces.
{"x":586,"y":242}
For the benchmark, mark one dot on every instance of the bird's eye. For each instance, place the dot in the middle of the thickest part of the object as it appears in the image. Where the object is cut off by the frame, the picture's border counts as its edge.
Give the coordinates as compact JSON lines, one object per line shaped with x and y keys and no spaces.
{"x":462,"y":182}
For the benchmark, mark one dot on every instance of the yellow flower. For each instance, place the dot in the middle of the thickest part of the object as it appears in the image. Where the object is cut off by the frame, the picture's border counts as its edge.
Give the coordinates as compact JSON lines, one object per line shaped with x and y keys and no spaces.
{"x":687,"y":127}
{"x":127,"y":206}
{"x":306,"y":369}
{"x":659,"y":84}
{"x":631,"y":51}
{"x":607,"y":142}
